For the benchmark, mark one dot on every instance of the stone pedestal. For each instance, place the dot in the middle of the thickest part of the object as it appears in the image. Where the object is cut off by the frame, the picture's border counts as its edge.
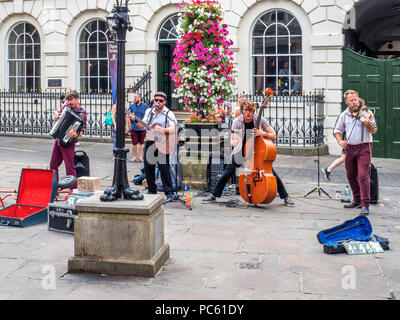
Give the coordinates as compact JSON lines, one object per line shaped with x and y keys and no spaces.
{"x":119,"y":238}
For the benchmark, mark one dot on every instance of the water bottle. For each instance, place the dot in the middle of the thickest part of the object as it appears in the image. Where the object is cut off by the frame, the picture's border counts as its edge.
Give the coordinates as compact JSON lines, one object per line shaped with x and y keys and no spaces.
{"x":346,"y":194}
{"x":185,"y":186}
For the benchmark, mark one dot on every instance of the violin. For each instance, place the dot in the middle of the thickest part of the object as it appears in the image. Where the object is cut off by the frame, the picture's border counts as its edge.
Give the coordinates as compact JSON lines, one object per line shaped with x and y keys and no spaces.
{"x":363,"y":112}
{"x":257,"y":184}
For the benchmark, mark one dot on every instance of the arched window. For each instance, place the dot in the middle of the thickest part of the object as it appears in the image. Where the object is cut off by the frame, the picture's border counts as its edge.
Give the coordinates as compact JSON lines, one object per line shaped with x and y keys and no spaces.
{"x":94,"y":74}
{"x":24,"y":58}
{"x":277,"y":60}
{"x":168,"y":30}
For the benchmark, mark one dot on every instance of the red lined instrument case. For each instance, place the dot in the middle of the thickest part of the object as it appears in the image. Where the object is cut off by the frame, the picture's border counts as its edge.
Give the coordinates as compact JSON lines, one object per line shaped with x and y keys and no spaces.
{"x":37,"y":188}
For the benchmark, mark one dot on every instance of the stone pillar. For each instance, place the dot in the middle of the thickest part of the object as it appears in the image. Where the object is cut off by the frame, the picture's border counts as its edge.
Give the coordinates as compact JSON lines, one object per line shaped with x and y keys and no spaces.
{"x":120,"y":238}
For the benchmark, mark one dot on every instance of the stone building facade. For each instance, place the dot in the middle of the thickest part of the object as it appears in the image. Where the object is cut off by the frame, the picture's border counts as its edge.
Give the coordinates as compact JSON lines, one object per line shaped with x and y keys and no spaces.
{"x":59,"y":34}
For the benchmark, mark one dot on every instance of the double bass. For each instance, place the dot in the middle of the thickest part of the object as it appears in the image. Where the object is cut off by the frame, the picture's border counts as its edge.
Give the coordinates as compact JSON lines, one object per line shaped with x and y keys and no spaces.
{"x":257,"y":184}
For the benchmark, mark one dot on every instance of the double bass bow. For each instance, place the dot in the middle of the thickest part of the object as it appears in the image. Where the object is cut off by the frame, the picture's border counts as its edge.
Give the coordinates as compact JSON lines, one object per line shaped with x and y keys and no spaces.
{"x":257,"y":184}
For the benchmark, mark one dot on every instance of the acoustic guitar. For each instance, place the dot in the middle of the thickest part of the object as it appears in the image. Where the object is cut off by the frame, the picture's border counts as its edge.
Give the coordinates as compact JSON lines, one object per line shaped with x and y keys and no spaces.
{"x":165,"y":143}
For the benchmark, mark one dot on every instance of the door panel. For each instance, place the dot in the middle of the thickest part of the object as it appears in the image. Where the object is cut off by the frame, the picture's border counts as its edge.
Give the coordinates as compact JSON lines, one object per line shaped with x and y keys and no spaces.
{"x":367,"y":77}
{"x":393,"y":109}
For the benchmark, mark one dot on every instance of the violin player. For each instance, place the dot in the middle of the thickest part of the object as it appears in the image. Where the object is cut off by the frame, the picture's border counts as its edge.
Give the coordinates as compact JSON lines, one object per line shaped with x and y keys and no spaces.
{"x":359,"y":124}
{"x":243,"y":128}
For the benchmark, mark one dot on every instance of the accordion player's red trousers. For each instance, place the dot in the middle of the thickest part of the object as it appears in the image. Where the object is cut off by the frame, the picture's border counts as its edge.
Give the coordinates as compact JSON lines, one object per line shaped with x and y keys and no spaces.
{"x":66,"y":154}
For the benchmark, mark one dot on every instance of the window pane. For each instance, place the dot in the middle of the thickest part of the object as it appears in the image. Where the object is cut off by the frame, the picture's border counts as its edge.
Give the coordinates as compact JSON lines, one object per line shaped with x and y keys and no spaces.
{"x":284,"y":17}
{"x":93,"y":68}
{"x":36,"y":37}
{"x":92,"y":26}
{"x":270,"y":82}
{"x":94,"y":84}
{"x":281,"y":30}
{"x":270,"y":45}
{"x":259,"y":29}
{"x":270,"y":68}
{"x":84,"y":72}
{"x":258,"y":66}
{"x":84,"y":84}
{"x":103,"y":84}
{"x":269,"y":18}
{"x":20,"y":52}
{"x":21,"y":69}
{"x":12,"y":83}
{"x":84,"y":36}
{"x":103,"y":25}
{"x":283,"y":45}
{"x":83,"y":51}
{"x":294,"y":28}
{"x":12,"y":38}
{"x":37,"y":84}
{"x":163,"y":34}
{"x":21,"y":84}
{"x":296,"y":65}
{"x":271,"y":30}
{"x":11,"y":51}
{"x":12,"y":68}
{"x":29,"y":68}
{"x":37,"y":69}
{"x":92,"y":50}
{"x":36,"y":50}
{"x":296,"y":45}
{"x":103,"y":68}
{"x":103,"y":51}
{"x":258,"y":46}
{"x":258,"y":84}
{"x":29,"y":83}
{"x":19,"y":29}
{"x":29,"y":52}
{"x":296,"y":85}
{"x":102,"y":37}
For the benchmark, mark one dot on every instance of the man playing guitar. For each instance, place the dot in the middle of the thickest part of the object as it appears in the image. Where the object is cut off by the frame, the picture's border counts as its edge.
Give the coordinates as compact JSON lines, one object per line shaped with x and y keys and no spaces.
{"x":162,"y":121}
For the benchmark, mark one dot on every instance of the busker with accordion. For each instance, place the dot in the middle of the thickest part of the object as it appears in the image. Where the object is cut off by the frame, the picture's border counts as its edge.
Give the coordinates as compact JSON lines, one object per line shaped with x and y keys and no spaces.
{"x":64,"y":148}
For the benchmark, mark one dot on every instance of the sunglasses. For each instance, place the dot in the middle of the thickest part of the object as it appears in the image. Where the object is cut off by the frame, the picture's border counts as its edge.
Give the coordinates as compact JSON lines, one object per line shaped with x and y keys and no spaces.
{"x":159,"y":100}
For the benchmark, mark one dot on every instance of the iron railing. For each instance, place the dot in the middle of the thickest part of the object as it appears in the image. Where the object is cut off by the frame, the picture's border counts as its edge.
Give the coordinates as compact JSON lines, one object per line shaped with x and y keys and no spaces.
{"x":31,"y":113}
{"x":297,"y":120}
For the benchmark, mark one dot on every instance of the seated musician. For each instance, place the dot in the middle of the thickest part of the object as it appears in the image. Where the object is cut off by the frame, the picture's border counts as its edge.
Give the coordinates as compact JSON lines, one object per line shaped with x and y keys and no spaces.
{"x":164,"y":121}
{"x":66,"y":153}
{"x":242,"y":129}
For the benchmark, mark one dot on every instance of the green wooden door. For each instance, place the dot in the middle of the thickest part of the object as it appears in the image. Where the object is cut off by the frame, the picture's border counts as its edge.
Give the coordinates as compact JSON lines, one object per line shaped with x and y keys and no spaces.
{"x":393,"y":109}
{"x":164,"y":82}
{"x":367,"y":76}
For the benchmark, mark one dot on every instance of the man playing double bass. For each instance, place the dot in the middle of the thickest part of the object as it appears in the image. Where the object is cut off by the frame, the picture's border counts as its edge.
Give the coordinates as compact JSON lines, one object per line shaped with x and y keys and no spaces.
{"x":243,"y":128}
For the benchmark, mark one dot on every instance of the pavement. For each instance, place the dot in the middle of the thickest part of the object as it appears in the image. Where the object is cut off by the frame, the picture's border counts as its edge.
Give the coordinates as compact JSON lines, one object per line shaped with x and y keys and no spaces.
{"x":226,"y":250}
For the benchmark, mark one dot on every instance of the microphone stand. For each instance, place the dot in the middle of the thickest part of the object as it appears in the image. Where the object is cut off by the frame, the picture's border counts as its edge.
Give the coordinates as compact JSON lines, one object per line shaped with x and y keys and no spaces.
{"x":176,"y":195}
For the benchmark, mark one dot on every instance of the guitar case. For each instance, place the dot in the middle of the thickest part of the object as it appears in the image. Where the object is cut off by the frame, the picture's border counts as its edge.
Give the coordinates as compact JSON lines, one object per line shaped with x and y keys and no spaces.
{"x":358,"y":229}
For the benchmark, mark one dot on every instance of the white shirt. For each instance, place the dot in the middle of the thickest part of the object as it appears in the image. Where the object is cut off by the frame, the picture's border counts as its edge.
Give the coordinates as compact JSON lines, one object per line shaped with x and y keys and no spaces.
{"x":355,"y":129}
{"x":161,"y":118}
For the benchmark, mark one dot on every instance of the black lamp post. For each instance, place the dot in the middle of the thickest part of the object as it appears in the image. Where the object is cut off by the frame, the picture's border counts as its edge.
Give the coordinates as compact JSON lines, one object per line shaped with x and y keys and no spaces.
{"x":119,"y":24}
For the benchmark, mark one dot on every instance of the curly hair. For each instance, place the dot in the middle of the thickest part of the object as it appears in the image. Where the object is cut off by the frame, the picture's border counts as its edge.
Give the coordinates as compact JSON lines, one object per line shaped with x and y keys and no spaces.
{"x":249,"y":104}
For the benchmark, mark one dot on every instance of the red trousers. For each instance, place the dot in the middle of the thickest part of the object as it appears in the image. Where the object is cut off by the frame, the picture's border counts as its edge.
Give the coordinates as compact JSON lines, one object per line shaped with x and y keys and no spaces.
{"x":66,"y":154}
{"x":357,"y":163}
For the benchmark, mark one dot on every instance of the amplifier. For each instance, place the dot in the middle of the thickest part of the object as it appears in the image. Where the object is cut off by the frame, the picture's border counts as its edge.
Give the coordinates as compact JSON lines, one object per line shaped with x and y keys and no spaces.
{"x":215,"y":169}
{"x":61,"y":215}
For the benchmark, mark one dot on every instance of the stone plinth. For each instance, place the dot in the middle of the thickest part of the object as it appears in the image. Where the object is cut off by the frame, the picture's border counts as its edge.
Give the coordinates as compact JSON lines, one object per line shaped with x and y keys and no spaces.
{"x":119,"y":238}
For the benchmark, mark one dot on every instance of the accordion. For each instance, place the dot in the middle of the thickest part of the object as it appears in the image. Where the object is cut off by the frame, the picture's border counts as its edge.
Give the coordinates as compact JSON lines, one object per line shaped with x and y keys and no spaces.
{"x":68,"y":121}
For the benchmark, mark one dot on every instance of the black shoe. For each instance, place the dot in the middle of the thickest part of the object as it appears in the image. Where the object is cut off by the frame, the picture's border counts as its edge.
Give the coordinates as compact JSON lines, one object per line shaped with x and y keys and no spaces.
{"x":210,"y":198}
{"x":326,"y":174}
{"x":352,"y":205}
{"x":151,"y":192}
{"x":364,"y":211}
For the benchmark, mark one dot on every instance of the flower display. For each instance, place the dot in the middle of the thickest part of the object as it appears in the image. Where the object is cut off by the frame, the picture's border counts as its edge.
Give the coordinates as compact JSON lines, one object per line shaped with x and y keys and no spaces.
{"x":203,"y":70}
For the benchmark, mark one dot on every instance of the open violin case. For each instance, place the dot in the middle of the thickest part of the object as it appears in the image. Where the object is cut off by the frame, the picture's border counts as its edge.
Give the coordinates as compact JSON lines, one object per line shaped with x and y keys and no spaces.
{"x":358,"y":229}
{"x":37,"y":188}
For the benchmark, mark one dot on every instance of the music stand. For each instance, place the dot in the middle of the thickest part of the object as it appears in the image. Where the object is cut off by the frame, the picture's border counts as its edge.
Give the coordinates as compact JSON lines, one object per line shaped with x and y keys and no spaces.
{"x":318,"y":129}
{"x":176,"y":195}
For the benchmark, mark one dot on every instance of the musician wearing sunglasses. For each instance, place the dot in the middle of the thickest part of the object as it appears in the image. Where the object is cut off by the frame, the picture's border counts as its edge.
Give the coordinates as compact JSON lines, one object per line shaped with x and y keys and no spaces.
{"x":161,"y":120}
{"x":66,"y":153}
